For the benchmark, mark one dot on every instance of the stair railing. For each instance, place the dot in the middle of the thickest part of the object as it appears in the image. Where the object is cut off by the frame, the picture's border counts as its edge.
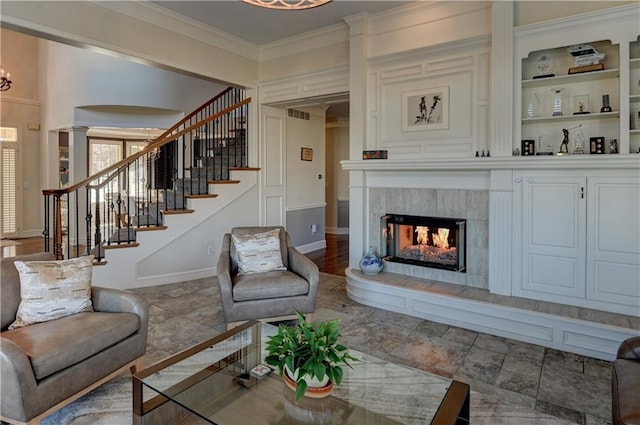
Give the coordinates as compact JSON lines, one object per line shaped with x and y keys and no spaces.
{"x":106,"y":209}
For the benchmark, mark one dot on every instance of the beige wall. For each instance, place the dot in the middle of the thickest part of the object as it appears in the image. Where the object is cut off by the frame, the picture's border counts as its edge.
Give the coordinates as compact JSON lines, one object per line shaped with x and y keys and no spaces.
{"x":529,"y":12}
{"x":20,"y":107}
{"x":337,"y":186}
{"x":84,"y":23}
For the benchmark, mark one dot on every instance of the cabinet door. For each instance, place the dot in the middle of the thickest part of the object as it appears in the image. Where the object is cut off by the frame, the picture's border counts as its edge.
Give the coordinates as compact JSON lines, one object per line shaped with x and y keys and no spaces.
{"x":553,"y":236}
{"x":613,"y":245}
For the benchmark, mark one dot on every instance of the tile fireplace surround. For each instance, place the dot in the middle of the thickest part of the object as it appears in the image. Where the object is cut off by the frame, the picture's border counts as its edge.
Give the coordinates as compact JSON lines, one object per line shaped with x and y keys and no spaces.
{"x":483,"y":192}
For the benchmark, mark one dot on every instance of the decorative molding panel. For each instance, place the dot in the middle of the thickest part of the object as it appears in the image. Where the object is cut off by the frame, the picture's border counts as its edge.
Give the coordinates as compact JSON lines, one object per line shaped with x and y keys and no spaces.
{"x":304,"y":88}
{"x":458,"y":71}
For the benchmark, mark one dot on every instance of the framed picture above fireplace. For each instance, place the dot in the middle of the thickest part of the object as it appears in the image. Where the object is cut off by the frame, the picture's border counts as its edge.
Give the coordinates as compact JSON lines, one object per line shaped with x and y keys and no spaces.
{"x":425,"y":109}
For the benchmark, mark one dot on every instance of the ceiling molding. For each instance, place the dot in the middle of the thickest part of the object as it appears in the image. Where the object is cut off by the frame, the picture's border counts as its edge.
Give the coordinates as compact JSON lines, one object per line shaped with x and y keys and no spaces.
{"x":322,"y":37}
{"x":164,"y":18}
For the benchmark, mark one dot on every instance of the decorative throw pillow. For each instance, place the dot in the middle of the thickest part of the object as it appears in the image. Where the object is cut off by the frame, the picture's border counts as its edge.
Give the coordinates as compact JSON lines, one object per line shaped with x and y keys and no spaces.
{"x":53,"y":289}
{"x":259,"y":252}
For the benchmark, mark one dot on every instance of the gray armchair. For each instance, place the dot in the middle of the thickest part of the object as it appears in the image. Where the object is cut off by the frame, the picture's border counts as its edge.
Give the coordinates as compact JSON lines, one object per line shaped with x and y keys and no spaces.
{"x":45,"y":366}
{"x":272,"y":295}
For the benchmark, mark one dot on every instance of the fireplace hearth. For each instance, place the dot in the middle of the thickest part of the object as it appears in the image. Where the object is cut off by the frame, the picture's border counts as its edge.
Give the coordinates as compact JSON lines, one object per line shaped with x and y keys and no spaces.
{"x":424,"y":241}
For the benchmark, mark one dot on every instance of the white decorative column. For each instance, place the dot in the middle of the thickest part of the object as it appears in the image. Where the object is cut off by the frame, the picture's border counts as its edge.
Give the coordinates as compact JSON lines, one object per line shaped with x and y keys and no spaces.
{"x":501,"y":232}
{"x":78,"y":171}
{"x":501,"y":97}
{"x":358,"y":199}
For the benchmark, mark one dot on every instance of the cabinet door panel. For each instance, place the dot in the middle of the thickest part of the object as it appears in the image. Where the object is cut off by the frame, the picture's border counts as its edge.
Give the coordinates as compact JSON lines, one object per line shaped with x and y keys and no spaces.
{"x":553,"y":226}
{"x":613,"y":246}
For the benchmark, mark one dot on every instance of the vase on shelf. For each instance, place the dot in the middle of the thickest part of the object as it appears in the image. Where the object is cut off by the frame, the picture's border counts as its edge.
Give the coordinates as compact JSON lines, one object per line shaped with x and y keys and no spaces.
{"x":370,"y":263}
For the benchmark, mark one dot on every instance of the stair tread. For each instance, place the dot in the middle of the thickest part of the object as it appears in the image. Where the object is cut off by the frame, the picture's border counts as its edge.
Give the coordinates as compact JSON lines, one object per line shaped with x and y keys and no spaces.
{"x":170,"y":212}
{"x":203,"y":195}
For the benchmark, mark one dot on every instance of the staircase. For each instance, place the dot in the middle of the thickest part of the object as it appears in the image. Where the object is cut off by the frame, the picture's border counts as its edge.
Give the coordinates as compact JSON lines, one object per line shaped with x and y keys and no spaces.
{"x":192,"y":163}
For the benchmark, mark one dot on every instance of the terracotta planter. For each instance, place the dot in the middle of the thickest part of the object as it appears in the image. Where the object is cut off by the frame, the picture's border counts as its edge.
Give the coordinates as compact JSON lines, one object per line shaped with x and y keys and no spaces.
{"x":315,"y":388}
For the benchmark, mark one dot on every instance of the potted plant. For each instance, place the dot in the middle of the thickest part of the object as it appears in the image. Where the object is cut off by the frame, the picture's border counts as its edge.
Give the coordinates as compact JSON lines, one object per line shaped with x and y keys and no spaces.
{"x":307,"y":352}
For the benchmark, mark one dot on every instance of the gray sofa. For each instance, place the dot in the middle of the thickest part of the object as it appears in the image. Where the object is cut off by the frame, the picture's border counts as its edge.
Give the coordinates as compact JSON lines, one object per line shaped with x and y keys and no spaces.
{"x":270,"y":295}
{"x":47,"y":365}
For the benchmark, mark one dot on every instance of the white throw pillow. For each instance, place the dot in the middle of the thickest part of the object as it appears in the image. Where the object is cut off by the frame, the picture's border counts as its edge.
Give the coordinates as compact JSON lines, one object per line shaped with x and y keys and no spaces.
{"x":53,"y":289}
{"x":259,"y":252}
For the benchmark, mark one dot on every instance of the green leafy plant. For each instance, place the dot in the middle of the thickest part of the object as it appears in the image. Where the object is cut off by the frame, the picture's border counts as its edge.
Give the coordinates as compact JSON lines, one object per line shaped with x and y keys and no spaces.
{"x":311,"y":349}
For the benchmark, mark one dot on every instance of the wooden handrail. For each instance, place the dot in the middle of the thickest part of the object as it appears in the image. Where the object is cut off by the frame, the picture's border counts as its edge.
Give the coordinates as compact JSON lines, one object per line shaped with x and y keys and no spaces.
{"x":188,"y":117}
{"x":160,"y":141}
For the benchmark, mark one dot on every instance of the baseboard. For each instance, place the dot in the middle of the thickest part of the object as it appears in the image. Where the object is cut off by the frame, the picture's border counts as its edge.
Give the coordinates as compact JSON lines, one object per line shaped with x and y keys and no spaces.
{"x":313,"y":246}
{"x":562,"y":333}
{"x":337,"y":230}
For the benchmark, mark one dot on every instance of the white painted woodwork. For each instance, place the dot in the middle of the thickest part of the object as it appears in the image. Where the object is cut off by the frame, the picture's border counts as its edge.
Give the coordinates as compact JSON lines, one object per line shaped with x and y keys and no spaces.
{"x":613,"y":29}
{"x":553,"y":236}
{"x":412,"y":297}
{"x":273,"y":187}
{"x":578,"y":251}
{"x":613,"y":240}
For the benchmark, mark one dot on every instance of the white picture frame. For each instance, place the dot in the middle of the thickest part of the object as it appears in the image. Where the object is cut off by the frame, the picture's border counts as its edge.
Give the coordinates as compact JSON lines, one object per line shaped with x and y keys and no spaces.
{"x":425,"y":109}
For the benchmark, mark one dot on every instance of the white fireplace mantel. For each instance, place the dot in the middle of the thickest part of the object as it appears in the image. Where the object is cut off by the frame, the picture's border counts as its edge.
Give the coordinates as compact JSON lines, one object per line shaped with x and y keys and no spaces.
{"x":590,"y":162}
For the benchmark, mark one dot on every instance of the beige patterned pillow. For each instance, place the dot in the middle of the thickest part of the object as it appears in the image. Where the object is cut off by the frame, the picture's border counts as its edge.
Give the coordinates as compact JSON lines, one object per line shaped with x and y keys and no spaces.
{"x":53,"y":289}
{"x":258,"y":253}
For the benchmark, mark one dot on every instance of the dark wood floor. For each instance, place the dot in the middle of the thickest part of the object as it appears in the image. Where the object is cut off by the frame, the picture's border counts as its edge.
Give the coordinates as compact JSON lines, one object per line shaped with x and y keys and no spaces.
{"x":25,"y":246}
{"x":334,"y":259}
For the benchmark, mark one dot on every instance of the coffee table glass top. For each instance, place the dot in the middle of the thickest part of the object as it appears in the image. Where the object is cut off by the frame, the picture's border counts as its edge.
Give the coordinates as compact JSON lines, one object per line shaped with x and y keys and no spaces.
{"x":208,"y":381}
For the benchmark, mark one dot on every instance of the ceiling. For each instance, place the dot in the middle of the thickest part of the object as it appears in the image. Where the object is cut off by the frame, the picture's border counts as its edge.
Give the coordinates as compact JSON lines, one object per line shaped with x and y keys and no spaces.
{"x":260,"y":26}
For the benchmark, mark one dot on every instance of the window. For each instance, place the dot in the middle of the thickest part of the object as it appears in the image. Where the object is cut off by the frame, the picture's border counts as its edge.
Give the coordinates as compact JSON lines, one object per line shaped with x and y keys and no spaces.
{"x":9,"y":142}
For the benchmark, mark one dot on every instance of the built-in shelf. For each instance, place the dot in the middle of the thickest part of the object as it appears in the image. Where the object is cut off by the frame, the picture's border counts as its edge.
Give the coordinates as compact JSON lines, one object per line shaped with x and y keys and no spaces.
{"x":634,"y":98}
{"x":634,"y":63}
{"x":574,"y":78}
{"x":580,"y":117}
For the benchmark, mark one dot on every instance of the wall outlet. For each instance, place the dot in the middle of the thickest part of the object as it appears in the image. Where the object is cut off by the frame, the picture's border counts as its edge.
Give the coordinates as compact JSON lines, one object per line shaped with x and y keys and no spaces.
{"x":210,"y":250}
{"x":314,"y":229}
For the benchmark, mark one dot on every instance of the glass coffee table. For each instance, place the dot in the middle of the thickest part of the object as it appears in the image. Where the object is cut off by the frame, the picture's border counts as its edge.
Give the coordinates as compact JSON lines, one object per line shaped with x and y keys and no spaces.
{"x":212,"y":383}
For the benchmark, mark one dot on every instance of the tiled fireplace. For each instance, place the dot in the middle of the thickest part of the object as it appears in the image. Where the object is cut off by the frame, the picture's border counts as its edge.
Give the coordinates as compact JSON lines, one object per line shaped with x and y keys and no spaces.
{"x":464,"y":213}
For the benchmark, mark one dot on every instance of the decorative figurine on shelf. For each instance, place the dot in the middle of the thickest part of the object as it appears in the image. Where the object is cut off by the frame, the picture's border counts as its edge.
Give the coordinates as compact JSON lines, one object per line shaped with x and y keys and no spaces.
{"x":557,"y":102}
{"x":578,"y":140}
{"x":613,"y":146}
{"x":605,"y":104}
{"x":564,"y":146}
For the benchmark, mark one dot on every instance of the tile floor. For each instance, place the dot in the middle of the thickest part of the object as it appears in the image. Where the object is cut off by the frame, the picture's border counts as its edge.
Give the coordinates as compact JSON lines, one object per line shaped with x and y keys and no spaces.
{"x":568,"y":386}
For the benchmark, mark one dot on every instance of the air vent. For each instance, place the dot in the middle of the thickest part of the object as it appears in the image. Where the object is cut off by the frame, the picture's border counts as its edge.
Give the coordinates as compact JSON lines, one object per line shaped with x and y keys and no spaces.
{"x":294,"y":113}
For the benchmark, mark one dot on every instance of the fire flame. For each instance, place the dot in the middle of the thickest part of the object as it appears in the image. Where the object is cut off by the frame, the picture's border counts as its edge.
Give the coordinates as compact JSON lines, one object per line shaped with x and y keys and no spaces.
{"x":423,"y":235}
{"x":440,"y":239}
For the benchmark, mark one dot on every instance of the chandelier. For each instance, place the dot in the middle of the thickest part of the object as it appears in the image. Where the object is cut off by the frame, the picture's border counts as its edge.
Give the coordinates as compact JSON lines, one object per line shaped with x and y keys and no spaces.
{"x":5,"y":81}
{"x":287,"y":4}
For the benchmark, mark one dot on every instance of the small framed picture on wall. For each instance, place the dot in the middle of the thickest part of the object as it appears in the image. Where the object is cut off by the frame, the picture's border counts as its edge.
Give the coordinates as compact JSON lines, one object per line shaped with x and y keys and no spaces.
{"x":306,"y":154}
{"x":425,"y":109}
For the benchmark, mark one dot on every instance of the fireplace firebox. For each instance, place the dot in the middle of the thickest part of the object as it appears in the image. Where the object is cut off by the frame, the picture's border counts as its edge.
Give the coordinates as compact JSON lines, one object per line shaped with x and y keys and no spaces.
{"x":424,"y":241}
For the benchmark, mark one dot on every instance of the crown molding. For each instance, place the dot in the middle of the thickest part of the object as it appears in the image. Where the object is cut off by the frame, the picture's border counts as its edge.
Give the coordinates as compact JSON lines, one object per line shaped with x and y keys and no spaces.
{"x":155,"y":15}
{"x":327,"y":36}
{"x":18,"y":100}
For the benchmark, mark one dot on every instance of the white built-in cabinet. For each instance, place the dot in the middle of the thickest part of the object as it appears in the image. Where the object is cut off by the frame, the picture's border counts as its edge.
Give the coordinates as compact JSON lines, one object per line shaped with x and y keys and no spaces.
{"x":580,"y":238}
{"x":542,"y":49}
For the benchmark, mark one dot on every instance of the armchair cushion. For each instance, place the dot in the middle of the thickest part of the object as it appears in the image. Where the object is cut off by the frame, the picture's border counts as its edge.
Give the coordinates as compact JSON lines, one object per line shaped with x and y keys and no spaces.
{"x":259,"y":252}
{"x":58,"y":344}
{"x":276,"y":284}
{"x":53,"y":289}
